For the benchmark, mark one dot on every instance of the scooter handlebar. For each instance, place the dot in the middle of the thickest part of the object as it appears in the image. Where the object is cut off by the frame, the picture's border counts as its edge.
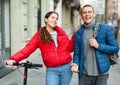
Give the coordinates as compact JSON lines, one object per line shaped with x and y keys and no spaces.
{"x":27,"y":63}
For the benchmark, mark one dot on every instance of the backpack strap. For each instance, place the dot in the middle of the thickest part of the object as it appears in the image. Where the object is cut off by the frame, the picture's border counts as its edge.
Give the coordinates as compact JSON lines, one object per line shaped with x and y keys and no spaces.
{"x":95,"y":30}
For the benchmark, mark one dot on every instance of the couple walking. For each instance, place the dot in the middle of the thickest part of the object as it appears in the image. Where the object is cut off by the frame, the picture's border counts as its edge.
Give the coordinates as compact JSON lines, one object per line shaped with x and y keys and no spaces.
{"x":90,"y":58}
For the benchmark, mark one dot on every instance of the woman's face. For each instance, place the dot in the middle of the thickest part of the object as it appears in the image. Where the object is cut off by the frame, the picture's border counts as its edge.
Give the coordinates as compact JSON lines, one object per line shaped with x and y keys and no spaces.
{"x":88,"y":15}
{"x":52,"y":20}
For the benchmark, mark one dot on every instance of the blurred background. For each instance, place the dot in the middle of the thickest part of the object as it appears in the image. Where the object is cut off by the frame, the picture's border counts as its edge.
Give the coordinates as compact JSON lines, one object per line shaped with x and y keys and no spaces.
{"x":20,"y":19}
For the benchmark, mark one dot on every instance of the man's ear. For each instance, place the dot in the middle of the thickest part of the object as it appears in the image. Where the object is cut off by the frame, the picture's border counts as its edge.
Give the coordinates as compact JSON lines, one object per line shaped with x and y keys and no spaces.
{"x":94,"y":14}
{"x":80,"y":16}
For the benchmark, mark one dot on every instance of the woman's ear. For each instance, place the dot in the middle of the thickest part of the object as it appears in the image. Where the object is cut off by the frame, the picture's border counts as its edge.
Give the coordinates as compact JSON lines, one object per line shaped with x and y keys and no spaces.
{"x":45,"y":20}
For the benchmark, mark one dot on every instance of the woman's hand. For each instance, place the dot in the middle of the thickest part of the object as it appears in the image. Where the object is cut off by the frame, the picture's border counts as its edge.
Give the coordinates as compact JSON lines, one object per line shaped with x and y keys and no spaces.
{"x":74,"y":67}
{"x":10,"y":62}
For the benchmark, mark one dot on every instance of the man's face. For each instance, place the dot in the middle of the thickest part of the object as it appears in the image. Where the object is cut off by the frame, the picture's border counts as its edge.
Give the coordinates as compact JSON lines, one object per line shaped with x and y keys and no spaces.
{"x":87,"y":15}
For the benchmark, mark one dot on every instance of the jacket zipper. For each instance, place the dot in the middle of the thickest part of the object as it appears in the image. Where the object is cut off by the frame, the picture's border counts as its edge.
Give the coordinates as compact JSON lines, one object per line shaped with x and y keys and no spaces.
{"x":57,"y":56}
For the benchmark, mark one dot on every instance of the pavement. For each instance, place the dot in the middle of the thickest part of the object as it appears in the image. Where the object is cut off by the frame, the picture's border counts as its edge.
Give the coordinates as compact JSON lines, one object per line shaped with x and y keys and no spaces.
{"x":37,"y":76}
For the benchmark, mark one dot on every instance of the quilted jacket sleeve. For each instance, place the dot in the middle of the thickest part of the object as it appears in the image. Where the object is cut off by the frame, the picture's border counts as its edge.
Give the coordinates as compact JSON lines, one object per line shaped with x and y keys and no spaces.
{"x":71,"y":43}
{"x":30,"y":47}
{"x":110,"y":45}
{"x":76,"y":58}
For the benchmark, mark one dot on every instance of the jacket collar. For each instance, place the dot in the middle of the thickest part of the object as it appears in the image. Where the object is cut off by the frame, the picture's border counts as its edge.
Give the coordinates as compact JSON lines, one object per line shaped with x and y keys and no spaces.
{"x":59,"y":30}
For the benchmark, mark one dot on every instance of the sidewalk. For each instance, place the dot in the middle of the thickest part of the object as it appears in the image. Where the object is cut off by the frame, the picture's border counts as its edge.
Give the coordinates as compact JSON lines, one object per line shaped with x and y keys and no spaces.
{"x":37,"y":77}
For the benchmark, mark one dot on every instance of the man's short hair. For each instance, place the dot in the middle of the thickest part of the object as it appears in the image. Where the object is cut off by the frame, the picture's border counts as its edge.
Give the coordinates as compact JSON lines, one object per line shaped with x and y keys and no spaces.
{"x":87,"y":5}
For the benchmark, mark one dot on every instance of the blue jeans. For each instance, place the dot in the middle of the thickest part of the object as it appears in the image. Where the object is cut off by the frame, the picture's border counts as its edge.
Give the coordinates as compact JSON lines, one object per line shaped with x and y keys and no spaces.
{"x":59,"y":75}
{"x":93,"y":80}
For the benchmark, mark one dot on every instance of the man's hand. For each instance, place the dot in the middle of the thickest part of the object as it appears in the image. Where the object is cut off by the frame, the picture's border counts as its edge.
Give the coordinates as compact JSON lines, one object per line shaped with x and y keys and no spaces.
{"x":74,"y":68}
{"x":93,"y":42}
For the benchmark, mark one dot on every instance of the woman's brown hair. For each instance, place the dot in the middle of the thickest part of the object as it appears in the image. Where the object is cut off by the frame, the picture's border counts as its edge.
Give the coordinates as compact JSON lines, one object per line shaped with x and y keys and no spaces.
{"x":44,"y":34}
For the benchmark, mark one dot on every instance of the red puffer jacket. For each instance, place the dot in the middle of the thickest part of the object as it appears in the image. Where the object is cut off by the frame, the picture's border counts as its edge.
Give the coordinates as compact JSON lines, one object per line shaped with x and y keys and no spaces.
{"x":51,"y":55}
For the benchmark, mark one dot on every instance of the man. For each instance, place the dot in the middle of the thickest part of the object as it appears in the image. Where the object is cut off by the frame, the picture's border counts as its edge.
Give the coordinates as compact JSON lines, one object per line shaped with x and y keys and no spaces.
{"x":91,"y":51}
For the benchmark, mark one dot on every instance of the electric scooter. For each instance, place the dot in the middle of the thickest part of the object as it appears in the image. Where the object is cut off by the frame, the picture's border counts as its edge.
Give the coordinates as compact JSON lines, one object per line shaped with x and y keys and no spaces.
{"x":27,"y":65}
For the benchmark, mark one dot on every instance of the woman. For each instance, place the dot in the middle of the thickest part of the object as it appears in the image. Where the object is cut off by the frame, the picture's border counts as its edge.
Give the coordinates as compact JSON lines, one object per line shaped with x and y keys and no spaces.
{"x":52,"y":42}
